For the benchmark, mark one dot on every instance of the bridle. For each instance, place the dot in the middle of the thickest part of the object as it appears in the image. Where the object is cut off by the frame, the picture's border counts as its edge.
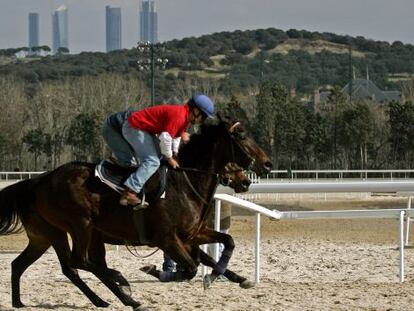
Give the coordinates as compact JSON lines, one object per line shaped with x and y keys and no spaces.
{"x":220,"y":178}
{"x":234,"y":140}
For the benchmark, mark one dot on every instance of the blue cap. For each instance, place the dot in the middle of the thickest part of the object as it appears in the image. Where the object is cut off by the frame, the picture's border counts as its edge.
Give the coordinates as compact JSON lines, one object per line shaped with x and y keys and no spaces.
{"x":204,"y":103}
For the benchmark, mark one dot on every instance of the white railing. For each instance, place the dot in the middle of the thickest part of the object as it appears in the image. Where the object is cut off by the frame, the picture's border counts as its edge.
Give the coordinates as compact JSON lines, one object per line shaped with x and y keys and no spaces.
{"x":325,"y":187}
{"x":285,"y":174}
{"x":315,"y":187}
{"x":341,"y":174}
{"x":6,"y":176}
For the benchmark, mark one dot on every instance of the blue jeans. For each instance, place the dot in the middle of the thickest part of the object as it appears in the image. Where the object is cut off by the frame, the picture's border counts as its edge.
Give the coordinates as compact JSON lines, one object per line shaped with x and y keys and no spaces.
{"x":129,"y":147}
{"x":147,"y":149}
{"x":112,"y":134}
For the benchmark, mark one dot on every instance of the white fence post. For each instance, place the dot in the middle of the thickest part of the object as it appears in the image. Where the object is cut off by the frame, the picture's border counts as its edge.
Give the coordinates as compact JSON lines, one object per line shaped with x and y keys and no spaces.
{"x":407,"y":230}
{"x":257,"y":249}
{"x":402,"y":246}
{"x":217,"y":213}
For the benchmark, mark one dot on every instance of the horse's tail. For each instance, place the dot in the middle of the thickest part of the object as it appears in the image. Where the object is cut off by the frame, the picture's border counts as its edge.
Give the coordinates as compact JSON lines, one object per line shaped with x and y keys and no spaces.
{"x":14,"y":202}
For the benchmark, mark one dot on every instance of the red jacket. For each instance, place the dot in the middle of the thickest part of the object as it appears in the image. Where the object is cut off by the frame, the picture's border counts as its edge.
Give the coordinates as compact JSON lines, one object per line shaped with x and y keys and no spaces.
{"x":172,"y":119}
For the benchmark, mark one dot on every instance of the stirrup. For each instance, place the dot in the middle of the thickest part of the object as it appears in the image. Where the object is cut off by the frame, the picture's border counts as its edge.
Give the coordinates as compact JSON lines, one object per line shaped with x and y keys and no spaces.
{"x":142,"y":204}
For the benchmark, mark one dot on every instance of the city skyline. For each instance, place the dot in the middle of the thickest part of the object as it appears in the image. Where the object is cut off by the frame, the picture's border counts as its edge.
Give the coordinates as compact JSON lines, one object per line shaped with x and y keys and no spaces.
{"x":186,"y":18}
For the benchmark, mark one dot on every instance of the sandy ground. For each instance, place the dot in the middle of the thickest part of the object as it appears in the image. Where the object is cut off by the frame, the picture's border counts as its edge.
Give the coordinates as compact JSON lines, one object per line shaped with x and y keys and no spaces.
{"x":306,"y":265}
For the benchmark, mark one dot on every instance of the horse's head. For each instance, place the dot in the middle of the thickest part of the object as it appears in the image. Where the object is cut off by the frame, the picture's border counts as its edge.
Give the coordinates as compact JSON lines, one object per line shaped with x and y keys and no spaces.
{"x":261,"y":161}
{"x":235,"y":178}
{"x":221,"y":142}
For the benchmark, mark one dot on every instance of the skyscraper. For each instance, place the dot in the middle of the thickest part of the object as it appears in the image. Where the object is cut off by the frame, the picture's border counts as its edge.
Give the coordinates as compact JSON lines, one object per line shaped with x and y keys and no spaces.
{"x":60,"y":29}
{"x":113,"y":29}
{"x":33,"y":30}
{"x":148,"y":22}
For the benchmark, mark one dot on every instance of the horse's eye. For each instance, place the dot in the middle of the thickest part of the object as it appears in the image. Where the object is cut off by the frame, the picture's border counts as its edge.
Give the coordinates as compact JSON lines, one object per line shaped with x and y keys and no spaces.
{"x":239,"y":135}
{"x":225,"y":181}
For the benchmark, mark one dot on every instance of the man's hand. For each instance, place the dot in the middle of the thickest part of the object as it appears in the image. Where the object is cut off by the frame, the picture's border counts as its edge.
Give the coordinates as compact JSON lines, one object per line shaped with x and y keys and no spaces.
{"x":185,"y":137}
{"x":173,"y":162}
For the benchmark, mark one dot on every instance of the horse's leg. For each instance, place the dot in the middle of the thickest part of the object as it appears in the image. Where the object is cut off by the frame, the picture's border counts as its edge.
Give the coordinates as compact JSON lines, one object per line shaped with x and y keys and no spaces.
{"x":97,"y":253}
{"x":211,"y":236}
{"x":31,"y":253}
{"x":200,"y":256}
{"x":220,"y":267}
{"x":61,"y":246}
{"x":105,"y":276}
{"x":81,"y":237}
{"x":41,"y":236}
{"x":101,"y":271}
{"x":232,"y":276}
{"x":180,"y":254}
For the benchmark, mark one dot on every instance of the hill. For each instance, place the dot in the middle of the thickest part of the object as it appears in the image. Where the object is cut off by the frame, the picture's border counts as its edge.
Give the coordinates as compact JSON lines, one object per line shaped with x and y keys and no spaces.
{"x":241,"y":59}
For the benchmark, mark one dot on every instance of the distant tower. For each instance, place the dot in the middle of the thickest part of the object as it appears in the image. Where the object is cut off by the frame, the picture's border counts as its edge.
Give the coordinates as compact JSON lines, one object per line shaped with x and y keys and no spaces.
{"x":33,"y":30}
{"x":113,"y":29}
{"x":148,"y":22}
{"x":60,"y":29}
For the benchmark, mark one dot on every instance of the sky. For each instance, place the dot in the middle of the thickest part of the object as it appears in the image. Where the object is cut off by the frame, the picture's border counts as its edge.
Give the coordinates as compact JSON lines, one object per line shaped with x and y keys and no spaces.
{"x":382,"y":20}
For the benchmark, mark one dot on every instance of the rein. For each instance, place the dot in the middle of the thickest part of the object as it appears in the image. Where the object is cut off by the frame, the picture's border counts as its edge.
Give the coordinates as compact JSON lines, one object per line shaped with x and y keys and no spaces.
{"x":194,"y":189}
{"x":206,"y":205}
{"x":189,"y":169}
{"x":135,"y":252}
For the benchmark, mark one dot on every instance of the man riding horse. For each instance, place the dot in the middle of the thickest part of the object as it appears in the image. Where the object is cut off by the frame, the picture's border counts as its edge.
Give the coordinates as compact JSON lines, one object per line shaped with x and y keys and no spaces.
{"x":143,"y":135}
{"x":70,"y":199}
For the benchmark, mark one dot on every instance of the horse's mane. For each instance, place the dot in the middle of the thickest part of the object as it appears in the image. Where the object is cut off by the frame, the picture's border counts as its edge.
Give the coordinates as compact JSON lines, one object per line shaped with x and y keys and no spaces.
{"x":200,"y":143}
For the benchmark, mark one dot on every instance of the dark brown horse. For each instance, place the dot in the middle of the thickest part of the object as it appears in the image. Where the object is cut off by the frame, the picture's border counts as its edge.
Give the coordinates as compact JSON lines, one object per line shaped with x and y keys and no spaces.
{"x":233,"y":177}
{"x":70,"y":199}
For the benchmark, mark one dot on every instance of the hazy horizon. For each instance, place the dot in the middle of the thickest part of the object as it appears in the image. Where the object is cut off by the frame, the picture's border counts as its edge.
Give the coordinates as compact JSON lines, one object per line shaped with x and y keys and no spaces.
{"x":373,"y":19}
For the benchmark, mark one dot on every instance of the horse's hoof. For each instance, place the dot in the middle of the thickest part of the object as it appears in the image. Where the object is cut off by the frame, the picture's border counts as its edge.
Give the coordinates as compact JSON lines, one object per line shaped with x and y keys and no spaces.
{"x":102,"y":304}
{"x":148,"y":269}
{"x":207,"y":281}
{"x":18,"y":304}
{"x":247,"y":284}
{"x":126,"y":290}
{"x":140,"y":308}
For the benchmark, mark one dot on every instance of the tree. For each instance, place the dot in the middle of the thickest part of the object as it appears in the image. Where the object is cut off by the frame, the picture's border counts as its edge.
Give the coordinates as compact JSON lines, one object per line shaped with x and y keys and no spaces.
{"x":356,"y":133}
{"x":336,"y":104}
{"x":45,"y":48}
{"x":270,"y":102}
{"x":84,"y":136}
{"x":62,"y":50}
{"x":290,"y":130}
{"x":38,"y":142}
{"x":401,"y":118}
{"x":235,"y":111}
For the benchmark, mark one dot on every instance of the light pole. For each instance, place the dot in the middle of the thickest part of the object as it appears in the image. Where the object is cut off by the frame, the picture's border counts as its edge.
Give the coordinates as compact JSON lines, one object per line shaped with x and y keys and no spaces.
{"x":147,"y":61}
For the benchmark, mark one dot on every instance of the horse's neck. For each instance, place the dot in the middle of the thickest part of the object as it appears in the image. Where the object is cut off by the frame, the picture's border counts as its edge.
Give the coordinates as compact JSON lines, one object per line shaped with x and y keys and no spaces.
{"x":205,"y":184}
{"x":206,"y":159}
{"x":198,"y":185}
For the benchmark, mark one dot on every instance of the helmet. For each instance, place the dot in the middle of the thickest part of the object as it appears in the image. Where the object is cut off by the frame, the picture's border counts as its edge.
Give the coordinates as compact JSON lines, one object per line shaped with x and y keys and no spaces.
{"x":204,"y":103}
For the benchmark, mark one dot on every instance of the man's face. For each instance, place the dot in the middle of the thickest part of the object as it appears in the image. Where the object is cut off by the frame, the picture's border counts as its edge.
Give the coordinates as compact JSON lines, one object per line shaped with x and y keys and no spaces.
{"x":197,"y":117}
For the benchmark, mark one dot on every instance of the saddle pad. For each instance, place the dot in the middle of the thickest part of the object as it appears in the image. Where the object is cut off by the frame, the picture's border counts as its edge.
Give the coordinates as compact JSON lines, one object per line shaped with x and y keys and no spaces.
{"x":113,"y":175}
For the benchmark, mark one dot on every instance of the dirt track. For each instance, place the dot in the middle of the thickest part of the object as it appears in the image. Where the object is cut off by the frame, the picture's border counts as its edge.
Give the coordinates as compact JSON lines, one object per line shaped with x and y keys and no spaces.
{"x":306,"y":265}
